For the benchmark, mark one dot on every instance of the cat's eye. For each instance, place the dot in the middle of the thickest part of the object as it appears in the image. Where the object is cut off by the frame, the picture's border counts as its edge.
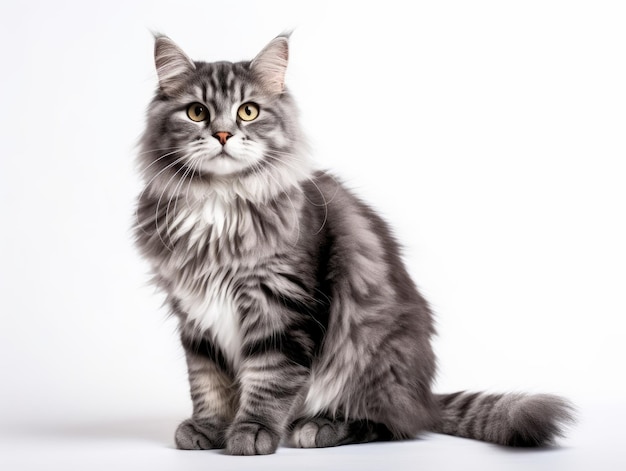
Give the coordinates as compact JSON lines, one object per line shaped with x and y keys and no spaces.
{"x":197,"y":112}
{"x":248,"y":111}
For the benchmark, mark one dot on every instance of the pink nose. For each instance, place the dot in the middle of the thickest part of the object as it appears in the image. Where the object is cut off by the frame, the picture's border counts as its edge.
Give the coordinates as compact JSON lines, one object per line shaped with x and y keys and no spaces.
{"x":222,"y":136}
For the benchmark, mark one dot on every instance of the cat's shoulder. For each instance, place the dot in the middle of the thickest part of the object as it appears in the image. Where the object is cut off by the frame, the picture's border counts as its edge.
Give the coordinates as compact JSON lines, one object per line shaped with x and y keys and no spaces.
{"x":323,"y":187}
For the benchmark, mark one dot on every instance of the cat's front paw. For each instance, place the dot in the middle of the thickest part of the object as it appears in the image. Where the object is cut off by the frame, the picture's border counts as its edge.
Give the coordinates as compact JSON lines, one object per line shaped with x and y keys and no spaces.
{"x":199,"y":434}
{"x":251,"y":438}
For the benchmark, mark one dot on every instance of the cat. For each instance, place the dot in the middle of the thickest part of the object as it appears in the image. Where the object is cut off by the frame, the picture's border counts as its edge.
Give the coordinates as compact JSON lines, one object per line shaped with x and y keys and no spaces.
{"x":298,"y":318}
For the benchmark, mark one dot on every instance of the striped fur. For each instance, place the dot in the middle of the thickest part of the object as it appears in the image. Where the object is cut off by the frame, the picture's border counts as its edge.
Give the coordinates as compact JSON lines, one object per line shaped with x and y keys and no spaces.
{"x":297,"y":316}
{"x":505,"y":419}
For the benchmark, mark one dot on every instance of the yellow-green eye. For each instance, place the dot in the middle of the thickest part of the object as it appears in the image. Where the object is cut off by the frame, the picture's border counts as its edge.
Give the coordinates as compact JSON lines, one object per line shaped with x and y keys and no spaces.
{"x":197,"y":112}
{"x":248,"y":111}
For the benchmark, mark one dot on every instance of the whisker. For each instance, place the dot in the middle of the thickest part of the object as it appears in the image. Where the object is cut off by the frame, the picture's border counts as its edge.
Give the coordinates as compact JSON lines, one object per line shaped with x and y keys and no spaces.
{"x":157,"y":210}
{"x":195,"y":166}
{"x":158,"y":149}
{"x":147,"y":186}
{"x":149,"y":183}
{"x":325,"y":204}
{"x":189,"y":147}
{"x":161,"y":158}
{"x":290,"y":164}
{"x":274,"y":153}
{"x":296,"y":213}
{"x":176,"y":196}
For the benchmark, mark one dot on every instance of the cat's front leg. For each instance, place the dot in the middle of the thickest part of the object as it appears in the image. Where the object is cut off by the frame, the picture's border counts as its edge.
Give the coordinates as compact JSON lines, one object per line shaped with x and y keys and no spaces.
{"x":213,"y":396}
{"x":269,"y":385}
{"x":275,"y":366}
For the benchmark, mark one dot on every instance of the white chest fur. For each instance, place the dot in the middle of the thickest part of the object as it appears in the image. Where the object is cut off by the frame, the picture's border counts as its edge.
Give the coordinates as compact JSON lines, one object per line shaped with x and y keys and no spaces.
{"x":216,"y":313}
{"x":203,"y":287}
{"x":203,"y":223}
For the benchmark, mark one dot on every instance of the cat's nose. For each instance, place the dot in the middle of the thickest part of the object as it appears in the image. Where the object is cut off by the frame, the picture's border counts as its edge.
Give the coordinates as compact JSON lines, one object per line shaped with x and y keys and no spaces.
{"x":222,"y":136}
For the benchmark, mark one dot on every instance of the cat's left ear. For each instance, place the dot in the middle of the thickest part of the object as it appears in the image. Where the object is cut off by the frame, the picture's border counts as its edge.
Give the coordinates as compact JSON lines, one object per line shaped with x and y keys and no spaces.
{"x":172,"y":64}
{"x":270,"y":65}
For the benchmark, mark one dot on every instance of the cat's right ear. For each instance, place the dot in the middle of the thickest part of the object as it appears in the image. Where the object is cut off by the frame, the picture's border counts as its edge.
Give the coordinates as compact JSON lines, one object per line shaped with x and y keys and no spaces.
{"x":172,"y":64}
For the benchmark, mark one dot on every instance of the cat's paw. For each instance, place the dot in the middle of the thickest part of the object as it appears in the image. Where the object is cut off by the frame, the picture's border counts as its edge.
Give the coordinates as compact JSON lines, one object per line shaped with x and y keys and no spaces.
{"x":251,"y":438}
{"x":199,"y":434}
{"x":317,"y":432}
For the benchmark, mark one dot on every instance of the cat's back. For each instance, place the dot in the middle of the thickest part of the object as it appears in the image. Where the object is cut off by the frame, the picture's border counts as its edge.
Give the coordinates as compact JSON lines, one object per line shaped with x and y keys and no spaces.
{"x":362,"y":249}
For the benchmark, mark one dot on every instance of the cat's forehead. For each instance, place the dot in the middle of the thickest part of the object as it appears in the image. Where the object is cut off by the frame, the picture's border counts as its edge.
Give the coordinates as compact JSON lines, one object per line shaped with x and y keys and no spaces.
{"x":223,"y":82}
{"x":223,"y":75}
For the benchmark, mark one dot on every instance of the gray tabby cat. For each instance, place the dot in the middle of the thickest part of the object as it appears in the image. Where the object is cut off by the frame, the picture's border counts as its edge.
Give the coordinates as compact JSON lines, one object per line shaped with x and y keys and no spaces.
{"x":298,"y":318}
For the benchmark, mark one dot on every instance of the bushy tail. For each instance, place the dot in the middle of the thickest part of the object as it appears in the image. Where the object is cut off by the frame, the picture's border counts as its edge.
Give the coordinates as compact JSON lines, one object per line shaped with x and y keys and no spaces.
{"x":505,"y":419}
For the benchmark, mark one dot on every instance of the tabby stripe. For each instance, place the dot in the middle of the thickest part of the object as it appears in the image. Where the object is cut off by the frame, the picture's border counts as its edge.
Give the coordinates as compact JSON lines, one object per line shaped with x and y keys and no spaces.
{"x":277,"y":391}
{"x":204,"y":93}
{"x":213,"y":81}
{"x":207,"y":349}
{"x":280,"y":342}
{"x":449,"y":398}
{"x":222,"y":78}
{"x":231,"y":86}
{"x":290,"y":302}
{"x":481,"y":419}
{"x":465,"y":404}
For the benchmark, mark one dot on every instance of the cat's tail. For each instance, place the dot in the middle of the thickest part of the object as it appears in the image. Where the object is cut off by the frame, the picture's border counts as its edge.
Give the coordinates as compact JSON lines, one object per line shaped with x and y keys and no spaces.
{"x":505,"y":419}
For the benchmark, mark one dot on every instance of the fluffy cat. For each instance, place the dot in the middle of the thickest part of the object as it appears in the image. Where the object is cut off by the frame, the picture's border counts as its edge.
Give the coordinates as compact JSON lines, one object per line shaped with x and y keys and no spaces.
{"x":297,"y":316}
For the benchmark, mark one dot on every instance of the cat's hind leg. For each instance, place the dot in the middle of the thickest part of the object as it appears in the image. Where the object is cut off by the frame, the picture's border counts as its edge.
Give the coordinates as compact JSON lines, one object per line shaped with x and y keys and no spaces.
{"x":321,"y":432}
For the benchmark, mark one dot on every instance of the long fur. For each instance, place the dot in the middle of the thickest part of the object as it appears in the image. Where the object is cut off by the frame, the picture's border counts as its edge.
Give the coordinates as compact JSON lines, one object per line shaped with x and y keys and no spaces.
{"x":297,"y":315}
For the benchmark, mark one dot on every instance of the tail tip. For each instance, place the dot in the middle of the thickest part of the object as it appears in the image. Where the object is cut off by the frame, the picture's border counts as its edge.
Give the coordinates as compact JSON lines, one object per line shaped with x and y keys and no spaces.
{"x":537,"y":420}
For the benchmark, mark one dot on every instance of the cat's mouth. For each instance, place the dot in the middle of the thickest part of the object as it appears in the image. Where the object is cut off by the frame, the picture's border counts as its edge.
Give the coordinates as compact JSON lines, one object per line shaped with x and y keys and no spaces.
{"x":224,"y":155}
{"x":220,"y":163}
{"x":221,"y":155}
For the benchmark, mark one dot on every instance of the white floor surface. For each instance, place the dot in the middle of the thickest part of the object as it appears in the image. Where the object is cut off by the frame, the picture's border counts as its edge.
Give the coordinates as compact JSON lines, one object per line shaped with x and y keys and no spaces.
{"x":146,"y":443}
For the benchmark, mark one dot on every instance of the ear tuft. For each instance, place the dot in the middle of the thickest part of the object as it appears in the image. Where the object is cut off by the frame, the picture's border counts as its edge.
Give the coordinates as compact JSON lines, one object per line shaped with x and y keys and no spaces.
{"x":270,"y":65}
{"x":172,"y":64}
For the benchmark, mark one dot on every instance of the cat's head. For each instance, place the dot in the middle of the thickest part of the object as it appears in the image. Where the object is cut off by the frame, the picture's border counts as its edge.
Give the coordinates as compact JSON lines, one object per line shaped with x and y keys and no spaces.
{"x":222,"y":124}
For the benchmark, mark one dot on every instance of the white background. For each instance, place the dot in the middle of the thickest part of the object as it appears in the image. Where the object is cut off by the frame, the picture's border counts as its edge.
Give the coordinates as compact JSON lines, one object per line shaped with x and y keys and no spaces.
{"x":489,"y":134}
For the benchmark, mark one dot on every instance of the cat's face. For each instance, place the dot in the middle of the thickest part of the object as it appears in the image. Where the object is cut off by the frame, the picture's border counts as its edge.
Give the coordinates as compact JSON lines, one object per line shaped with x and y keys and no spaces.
{"x":220,"y":120}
